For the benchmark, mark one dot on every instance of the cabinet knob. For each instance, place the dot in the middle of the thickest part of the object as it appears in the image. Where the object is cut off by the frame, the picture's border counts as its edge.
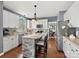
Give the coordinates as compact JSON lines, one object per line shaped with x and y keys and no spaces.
{"x":76,"y":50}
{"x":72,"y":50}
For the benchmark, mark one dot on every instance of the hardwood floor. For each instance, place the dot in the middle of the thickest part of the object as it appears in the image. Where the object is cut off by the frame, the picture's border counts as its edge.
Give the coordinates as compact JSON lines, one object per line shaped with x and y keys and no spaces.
{"x":52,"y":51}
{"x":14,"y":53}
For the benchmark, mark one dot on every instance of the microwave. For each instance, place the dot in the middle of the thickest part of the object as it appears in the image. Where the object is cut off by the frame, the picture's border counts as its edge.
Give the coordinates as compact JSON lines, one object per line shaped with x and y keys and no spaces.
{"x":5,"y":31}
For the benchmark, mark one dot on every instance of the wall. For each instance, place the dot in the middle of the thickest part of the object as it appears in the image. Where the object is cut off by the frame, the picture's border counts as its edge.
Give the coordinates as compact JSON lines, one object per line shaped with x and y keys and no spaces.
{"x":32,"y":24}
{"x":52,"y":18}
{"x":39,"y":21}
{"x":72,"y":14}
{"x":1,"y":27}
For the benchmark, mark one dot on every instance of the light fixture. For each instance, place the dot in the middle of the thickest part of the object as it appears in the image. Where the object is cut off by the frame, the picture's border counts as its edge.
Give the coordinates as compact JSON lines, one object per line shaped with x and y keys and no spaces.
{"x":63,"y":27}
{"x":35,"y":15}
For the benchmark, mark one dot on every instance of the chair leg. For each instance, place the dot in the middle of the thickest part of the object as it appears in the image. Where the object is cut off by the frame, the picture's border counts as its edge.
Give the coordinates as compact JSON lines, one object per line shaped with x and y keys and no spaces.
{"x":45,"y":53}
{"x":39,"y":48}
{"x":35,"y":51}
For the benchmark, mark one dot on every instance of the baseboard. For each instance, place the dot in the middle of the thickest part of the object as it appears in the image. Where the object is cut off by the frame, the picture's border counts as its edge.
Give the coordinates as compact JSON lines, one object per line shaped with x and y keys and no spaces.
{"x":1,"y":54}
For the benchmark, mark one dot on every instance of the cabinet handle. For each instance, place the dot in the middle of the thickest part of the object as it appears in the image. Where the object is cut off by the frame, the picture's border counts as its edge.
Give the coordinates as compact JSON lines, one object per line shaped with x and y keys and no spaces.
{"x":76,"y":50}
{"x":72,"y":50}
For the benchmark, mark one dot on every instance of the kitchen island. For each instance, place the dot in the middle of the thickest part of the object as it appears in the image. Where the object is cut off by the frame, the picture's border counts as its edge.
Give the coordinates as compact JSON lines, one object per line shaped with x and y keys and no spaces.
{"x":28,"y":44}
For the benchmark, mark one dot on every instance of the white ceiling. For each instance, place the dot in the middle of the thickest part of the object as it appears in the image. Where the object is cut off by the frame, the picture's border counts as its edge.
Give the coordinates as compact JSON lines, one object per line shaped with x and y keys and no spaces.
{"x":44,"y":8}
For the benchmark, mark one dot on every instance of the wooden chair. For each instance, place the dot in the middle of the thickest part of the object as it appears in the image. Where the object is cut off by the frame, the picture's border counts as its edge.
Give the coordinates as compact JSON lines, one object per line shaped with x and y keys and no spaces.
{"x":42,"y":45}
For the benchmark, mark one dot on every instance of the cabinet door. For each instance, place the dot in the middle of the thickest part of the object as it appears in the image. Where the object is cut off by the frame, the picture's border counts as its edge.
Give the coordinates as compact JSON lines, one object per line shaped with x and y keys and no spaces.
{"x":16,"y":21}
{"x":5,"y":18}
{"x":15,"y":41}
{"x":13,"y":19}
{"x":6,"y":44}
{"x":10,"y":20}
{"x":11,"y":42}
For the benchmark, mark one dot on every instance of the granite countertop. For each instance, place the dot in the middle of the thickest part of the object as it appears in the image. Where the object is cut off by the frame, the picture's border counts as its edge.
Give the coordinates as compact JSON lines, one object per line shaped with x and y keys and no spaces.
{"x":33,"y":35}
{"x":75,"y":41}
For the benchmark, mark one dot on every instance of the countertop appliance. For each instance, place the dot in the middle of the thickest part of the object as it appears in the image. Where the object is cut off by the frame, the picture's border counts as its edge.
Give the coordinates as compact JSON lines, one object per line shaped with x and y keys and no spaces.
{"x":5,"y":31}
{"x":39,"y":26}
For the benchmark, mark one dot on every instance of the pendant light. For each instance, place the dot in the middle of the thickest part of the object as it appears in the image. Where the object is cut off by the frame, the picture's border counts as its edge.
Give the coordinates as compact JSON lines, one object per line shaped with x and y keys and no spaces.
{"x":35,"y":15}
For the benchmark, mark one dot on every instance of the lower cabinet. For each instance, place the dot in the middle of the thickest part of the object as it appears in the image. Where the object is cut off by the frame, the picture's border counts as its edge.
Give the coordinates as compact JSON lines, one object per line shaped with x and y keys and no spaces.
{"x":9,"y":42}
{"x":6,"y":44}
{"x":70,"y":49}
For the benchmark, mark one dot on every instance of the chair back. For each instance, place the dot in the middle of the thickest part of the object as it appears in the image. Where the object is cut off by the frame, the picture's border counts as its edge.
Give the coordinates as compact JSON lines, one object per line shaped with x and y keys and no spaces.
{"x":46,"y":37}
{"x":43,"y":37}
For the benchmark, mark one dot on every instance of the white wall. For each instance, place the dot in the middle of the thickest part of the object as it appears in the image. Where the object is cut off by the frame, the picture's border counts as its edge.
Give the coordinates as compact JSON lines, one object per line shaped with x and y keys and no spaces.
{"x":73,"y":14}
{"x":40,"y":21}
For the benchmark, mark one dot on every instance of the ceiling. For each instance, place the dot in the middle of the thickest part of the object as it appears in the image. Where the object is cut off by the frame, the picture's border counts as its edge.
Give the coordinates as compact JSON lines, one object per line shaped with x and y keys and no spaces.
{"x":44,"y":8}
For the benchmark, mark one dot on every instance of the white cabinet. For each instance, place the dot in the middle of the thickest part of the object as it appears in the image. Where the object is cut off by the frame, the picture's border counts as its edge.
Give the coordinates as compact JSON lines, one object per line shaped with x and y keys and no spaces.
{"x":13,"y":20}
{"x":10,"y":20}
{"x":9,"y":43}
{"x":6,"y":44}
{"x":72,"y":14}
{"x":15,"y":41}
{"x":5,"y":18}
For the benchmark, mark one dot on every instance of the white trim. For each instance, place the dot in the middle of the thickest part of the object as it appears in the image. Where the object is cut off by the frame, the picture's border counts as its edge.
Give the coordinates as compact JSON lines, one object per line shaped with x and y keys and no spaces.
{"x":1,"y":54}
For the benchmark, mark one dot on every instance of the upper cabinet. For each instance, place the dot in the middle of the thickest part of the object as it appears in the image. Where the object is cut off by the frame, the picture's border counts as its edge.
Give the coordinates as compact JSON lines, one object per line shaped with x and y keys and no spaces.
{"x":14,"y":20}
{"x":5,"y":18}
{"x":10,"y":20}
{"x":72,"y":14}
